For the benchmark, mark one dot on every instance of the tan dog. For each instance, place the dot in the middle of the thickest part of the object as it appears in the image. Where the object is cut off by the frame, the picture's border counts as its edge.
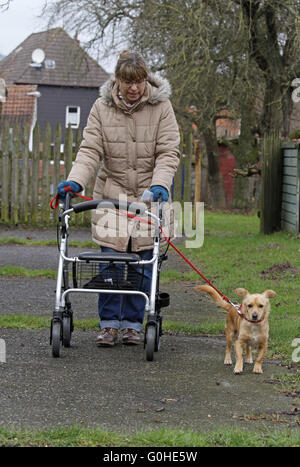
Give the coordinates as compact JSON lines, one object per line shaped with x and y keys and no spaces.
{"x":250,"y":325}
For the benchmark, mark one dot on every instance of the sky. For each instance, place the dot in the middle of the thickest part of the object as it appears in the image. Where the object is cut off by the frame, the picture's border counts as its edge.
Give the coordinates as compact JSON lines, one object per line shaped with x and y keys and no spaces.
{"x":22,"y":19}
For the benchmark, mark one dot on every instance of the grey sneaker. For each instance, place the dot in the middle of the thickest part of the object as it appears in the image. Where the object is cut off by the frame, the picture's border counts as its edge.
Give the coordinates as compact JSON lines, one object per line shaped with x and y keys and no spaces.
{"x":107,"y":337}
{"x":131,"y":336}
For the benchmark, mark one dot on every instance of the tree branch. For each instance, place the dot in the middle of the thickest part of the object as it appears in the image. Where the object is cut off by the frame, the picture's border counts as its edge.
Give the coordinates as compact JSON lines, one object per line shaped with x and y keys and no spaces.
{"x":247,"y":172}
{"x":5,"y":5}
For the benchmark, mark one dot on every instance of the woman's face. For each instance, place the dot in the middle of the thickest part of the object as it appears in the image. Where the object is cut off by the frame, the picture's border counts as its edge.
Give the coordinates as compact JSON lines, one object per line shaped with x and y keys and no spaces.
{"x":131,"y":90}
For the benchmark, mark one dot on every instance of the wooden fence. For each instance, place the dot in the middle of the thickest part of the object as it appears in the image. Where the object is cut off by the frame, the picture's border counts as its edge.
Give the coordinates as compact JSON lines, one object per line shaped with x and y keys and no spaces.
{"x":290,"y":207}
{"x":271,"y":188}
{"x":28,"y":179}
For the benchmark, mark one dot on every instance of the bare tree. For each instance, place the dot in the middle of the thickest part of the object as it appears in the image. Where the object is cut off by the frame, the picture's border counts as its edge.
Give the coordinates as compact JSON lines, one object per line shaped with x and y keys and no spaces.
{"x":4,"y":5}
{"x":240,"y":55}
{"x":273,"y":29}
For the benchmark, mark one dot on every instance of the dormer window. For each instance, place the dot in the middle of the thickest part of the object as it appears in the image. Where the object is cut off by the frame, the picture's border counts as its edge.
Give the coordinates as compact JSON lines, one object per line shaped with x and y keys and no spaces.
{"x":72,"y":116}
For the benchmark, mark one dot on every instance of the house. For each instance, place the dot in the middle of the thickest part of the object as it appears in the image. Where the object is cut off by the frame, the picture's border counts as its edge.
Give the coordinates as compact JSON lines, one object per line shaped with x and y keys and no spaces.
{"x":50,"y":77}
{"x":20,"y":106}
{"x":228,"y":129}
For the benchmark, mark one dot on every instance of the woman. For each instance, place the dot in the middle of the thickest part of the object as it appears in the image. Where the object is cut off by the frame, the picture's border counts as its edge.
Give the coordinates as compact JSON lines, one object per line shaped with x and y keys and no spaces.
{"x":132,"y":130}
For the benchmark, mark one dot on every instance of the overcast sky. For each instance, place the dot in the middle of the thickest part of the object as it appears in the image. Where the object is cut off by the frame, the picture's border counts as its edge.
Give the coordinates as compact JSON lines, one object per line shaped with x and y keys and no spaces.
{"x":21,"y":20}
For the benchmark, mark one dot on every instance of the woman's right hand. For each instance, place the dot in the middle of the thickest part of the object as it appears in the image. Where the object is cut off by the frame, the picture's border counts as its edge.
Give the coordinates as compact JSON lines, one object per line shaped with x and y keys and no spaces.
{"x":61,"y":188}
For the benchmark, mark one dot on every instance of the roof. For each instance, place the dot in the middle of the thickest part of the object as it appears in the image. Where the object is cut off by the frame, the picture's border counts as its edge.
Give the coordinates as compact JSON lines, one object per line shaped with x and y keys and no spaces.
{"x":227,"y":127}
{"x":19,"y":107}
{"x":73,"y":66}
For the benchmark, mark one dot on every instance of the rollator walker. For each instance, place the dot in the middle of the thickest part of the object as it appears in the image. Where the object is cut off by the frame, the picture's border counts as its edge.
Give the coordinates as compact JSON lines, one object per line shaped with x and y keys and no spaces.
{"x":102,"y":272}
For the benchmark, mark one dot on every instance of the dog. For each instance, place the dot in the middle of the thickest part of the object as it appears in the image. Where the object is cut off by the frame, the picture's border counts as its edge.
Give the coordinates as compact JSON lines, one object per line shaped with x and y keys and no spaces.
{"x":250,"y":325}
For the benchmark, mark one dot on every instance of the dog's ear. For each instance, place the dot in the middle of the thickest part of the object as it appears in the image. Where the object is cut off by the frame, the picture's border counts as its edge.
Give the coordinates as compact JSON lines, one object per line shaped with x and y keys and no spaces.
{"x":270,"y":293}
{"x":241,"y":292}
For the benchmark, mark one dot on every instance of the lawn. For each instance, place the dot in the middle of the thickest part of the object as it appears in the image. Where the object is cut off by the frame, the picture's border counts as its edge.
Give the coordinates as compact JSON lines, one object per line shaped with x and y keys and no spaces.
{"x":76,"y":436}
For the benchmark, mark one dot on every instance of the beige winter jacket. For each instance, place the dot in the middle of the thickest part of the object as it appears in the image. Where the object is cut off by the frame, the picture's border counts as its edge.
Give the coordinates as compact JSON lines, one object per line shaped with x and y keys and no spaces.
{"x":135,"y":149}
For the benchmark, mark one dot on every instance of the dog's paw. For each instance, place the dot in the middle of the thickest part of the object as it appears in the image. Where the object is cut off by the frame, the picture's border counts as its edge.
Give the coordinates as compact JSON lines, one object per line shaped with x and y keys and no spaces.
{"x":257,"y":369}
{"x":249,"y":360}
{"x":227,"y":361}
{"x":238,"y":370}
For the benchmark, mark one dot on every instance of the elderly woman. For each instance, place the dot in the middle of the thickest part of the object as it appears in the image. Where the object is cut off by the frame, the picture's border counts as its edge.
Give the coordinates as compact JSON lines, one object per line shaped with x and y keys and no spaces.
{"x":132,"y":130}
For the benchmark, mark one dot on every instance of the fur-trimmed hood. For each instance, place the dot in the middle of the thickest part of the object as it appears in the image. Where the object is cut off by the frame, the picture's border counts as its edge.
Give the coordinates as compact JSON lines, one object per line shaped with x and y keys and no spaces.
{"x":159,"y":90}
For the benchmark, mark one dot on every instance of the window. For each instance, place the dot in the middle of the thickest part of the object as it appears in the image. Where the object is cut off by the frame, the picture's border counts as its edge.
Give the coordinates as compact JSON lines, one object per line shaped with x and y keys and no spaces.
{"x":72,"y":116}
{"x":50,"y":64}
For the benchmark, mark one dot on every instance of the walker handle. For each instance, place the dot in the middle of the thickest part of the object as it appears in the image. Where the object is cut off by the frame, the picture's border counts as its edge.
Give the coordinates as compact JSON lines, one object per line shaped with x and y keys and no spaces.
{"x":134,"y":208}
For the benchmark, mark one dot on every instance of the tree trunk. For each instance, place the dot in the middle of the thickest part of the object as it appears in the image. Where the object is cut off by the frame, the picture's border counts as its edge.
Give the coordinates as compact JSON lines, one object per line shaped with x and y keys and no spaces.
{"x":287,"y":110}
{"x":243,"y":152}
{"x":215,"y":180}
{"x":272,"y":115}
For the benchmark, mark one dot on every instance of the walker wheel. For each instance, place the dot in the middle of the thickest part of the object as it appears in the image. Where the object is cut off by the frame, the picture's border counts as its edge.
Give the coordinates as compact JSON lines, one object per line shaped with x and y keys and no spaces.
{"x":158,"y":333}
{"x":150,"y":342}
{"x":67,"y":331}
{"x":56,"y":338}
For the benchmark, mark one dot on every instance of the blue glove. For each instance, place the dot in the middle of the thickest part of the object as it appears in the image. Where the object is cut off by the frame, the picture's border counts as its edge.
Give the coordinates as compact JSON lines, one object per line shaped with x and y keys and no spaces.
{"x":159,"y":190}
{"x":60,"y":189}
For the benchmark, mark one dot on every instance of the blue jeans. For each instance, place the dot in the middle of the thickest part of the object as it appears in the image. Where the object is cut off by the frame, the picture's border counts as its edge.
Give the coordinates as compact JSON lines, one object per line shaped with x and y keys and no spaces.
{"x":125,"y":311}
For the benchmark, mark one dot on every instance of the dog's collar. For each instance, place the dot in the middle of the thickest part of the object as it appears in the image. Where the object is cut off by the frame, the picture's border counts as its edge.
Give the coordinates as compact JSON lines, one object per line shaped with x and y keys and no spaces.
{"x":238,"y":309}
{"x":252,"y":320}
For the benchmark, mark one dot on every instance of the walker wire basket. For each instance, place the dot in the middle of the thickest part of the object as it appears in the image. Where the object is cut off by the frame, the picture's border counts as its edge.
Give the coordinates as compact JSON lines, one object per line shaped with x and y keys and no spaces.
{"x":108,"y":275}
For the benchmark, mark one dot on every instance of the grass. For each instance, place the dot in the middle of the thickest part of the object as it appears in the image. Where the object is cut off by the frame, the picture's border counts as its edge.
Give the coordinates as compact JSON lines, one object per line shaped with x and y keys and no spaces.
{"x":18,"y":271}
{"x":290,"y":383}
{"x":25,"y":321}
{"x":29,"y":242}
{"x":167,"y":277}
{"x":76,"y":436}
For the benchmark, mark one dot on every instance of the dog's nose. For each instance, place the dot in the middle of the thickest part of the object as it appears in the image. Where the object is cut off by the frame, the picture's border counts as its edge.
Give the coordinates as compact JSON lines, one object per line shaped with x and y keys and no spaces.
{"x":254,"y":315}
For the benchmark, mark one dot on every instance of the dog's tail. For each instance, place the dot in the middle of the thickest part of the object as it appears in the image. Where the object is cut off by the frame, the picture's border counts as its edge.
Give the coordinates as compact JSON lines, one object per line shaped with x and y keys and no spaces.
{"x":219,"y":301}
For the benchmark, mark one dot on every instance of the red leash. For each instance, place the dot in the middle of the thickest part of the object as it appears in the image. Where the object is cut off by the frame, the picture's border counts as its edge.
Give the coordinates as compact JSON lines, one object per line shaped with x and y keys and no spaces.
{"x":54,"y":204}
{"x":54,"y":201}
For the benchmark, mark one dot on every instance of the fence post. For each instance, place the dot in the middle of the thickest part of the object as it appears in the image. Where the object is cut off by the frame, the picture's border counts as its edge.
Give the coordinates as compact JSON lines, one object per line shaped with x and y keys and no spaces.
{"x":270,"y":213}
{"x":78,"y":139}
{"x":35,"y":160}
{"x":56,"y":157}
{"x":178,"y":175}
{"x":188,"y":165}
{"x":197,"y":196}
{"x":15,"y":176}
{"x":24,"y":178}
{"x":45,"y":198}
{"x":68,"y":151}
{"x":5,"y":174}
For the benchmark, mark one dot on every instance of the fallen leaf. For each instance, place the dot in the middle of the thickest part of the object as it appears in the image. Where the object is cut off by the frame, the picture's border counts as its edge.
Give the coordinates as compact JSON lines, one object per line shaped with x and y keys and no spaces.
{"x":168,"y":399}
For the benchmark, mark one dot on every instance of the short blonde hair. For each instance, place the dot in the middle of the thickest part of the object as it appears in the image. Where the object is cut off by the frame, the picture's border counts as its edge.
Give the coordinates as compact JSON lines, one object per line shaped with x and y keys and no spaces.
{"x":131,"y":66}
